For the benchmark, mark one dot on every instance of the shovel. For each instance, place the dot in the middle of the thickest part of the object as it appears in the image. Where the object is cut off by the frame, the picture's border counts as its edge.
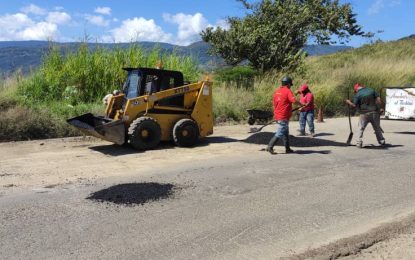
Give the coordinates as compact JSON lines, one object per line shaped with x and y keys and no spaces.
{"x":349,"y":139}
{"x":258,"y":129}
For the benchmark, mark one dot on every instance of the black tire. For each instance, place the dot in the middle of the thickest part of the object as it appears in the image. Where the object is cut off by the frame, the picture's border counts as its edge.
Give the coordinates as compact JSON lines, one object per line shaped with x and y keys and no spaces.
{"x":251,"y":120}
{"x":144,"y":133}
{"x":185,"y":133}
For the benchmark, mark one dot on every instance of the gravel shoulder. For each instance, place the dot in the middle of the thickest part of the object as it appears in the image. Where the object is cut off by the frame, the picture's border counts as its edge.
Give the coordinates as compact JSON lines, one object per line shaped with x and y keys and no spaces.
{"x":67,"y":161}
{"x":229,"y":174}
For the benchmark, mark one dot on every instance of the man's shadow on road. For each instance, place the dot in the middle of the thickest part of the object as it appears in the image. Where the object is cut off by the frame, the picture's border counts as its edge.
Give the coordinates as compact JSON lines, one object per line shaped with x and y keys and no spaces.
{"x":405,"y":133}
{"x":263,"y":138}
{"x":381,"y":147}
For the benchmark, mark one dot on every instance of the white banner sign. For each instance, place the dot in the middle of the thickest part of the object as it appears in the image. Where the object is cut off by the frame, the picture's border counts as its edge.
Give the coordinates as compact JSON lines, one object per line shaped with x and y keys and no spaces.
{"x":400,"y":103}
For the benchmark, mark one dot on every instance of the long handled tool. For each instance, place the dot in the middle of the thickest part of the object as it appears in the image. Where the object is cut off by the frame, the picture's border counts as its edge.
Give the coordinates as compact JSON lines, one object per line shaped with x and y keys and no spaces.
{"x":349,"y":139}
{"x":258,"y":129}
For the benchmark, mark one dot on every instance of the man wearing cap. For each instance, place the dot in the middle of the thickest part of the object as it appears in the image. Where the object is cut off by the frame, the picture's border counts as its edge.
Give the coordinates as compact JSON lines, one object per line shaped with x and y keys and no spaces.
{"x":368,"y":102}
{"x":307,"y":112}
{"x":282,"y":100}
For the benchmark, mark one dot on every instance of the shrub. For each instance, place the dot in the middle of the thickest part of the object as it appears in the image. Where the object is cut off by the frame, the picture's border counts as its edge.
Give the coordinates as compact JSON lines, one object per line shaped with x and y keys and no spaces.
{"x":230,"y":103}
{"x":239,"y":76}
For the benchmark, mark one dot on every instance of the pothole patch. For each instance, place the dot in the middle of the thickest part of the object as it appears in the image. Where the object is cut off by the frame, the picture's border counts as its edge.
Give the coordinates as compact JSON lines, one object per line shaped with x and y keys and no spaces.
{"x":131,"y":194}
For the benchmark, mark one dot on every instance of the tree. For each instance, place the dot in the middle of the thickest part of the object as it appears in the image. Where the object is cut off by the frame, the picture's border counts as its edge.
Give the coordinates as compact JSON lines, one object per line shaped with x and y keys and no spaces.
{"x":273,"y":32}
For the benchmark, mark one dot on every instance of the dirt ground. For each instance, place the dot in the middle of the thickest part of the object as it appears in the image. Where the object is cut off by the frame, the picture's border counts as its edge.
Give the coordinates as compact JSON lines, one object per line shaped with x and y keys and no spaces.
{"x":55,"y":162}
{"x":44,"y":164}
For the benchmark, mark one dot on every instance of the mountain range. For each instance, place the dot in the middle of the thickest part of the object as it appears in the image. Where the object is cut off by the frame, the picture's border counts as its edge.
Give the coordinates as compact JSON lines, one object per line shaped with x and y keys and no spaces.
{"x":27,"y":55}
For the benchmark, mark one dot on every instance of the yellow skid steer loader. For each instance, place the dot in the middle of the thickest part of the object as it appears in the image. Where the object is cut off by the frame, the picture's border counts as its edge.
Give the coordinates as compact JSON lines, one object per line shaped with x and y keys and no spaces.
{"x":154,"y":105}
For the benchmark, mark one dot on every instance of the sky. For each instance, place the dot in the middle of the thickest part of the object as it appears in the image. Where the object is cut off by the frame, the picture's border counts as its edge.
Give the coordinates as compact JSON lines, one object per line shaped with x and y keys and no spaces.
{"x":172,"y":21}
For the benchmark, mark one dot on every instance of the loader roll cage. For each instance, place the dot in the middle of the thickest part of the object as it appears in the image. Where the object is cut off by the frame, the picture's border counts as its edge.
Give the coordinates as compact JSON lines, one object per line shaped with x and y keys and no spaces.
{"x":142,"y":81}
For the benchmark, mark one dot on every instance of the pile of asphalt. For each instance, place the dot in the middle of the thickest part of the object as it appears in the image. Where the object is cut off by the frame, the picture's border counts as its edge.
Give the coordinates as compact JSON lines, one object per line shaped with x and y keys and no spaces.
{"x":131,"y":194}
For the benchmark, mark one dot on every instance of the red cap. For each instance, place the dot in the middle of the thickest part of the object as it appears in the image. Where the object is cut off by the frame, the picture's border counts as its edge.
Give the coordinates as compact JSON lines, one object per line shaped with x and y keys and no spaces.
{"x":356,"y":87}
{"x":303,"y":88}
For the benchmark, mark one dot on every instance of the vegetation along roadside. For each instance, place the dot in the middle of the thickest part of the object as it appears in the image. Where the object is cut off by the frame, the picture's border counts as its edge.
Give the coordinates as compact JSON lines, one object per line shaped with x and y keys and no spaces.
{"x":36,"y":106}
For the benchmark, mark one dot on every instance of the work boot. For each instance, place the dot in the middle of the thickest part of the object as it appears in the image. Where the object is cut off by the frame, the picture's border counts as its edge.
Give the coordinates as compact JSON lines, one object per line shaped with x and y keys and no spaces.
{"x":300,"y":133}
{"x":272,"y":142}
{"x":286,"y":141}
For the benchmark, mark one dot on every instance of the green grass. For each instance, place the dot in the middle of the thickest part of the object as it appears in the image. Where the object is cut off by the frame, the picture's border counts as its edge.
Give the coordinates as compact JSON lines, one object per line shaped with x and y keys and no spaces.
{"x":230,"y":103}
{"x":20,"y":120}
{"x":331,"y":77}
{"x":87,"y":75}
{"x":37,"y":106}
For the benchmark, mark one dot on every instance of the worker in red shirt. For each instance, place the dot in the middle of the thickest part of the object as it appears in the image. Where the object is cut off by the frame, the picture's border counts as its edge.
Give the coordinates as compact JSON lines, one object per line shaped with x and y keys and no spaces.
{"x":307,"y":110}
{"x":283,"y":99}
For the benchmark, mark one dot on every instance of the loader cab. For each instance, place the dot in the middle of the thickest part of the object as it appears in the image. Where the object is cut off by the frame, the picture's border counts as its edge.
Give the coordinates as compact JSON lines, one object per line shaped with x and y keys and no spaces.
{"x":145,"y":81}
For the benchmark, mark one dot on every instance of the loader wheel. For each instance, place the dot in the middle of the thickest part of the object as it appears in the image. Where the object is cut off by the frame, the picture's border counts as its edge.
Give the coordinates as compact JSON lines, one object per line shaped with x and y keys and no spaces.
{"x":185,"y":132}
{"x":144,"y":133}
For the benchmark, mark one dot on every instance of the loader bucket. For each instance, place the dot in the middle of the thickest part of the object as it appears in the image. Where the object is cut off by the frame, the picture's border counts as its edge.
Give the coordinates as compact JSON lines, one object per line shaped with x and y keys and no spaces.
{"x":100,"y":127}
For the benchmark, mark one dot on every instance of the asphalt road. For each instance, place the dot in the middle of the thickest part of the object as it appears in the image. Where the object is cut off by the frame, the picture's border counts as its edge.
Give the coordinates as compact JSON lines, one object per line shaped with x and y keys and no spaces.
{"x":240,"y":203}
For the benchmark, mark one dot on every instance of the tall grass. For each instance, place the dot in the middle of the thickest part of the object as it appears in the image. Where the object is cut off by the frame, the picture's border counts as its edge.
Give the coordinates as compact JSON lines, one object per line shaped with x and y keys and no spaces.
{"x":87,"y":75}
{"x":332,"y":77}
{"x":72,"y":84}
{"x":230,"y":103}
{"x":8,"y":89}
{"x":379,"y":65}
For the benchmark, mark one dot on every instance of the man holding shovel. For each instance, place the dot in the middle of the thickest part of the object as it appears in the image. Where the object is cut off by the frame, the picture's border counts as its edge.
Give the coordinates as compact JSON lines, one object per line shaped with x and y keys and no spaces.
{"x":368,"y":102}
{"x":283,"y":99}
{"x":307,"y":110}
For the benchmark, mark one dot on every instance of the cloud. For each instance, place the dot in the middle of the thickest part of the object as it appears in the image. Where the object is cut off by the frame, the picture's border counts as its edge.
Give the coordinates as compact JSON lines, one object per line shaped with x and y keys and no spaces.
{"x":378,"y":5}
{"x":223,"y":24}
{"x":190,"y":26}
{"x":58,"y":17}
{"x":39,"y":31}
{"x":97,"y":20}
{"x":394,"y":3}
{"x":138,"y":29}
{"x":103,"y":10}
{"x":20,"y":27}
{"x":34,"y":9}
{"x":14,"y":21}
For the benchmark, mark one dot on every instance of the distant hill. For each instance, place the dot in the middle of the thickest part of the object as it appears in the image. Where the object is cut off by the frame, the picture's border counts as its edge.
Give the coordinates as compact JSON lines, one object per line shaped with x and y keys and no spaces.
{"x":412,"y":36}
{"x":27,"y":55}
{"x":383,"y":64}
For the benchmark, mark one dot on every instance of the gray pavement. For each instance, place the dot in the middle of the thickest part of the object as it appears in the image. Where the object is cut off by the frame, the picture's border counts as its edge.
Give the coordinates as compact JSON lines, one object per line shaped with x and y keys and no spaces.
{"x":245,"y":204}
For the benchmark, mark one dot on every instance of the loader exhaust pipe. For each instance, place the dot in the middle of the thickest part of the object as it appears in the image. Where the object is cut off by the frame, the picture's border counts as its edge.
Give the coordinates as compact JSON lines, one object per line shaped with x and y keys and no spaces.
{"x":100,"y":127}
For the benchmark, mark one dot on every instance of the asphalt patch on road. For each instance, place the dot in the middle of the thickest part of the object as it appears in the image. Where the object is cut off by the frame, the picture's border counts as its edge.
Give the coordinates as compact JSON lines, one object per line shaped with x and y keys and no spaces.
{"x":131,"y":194}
